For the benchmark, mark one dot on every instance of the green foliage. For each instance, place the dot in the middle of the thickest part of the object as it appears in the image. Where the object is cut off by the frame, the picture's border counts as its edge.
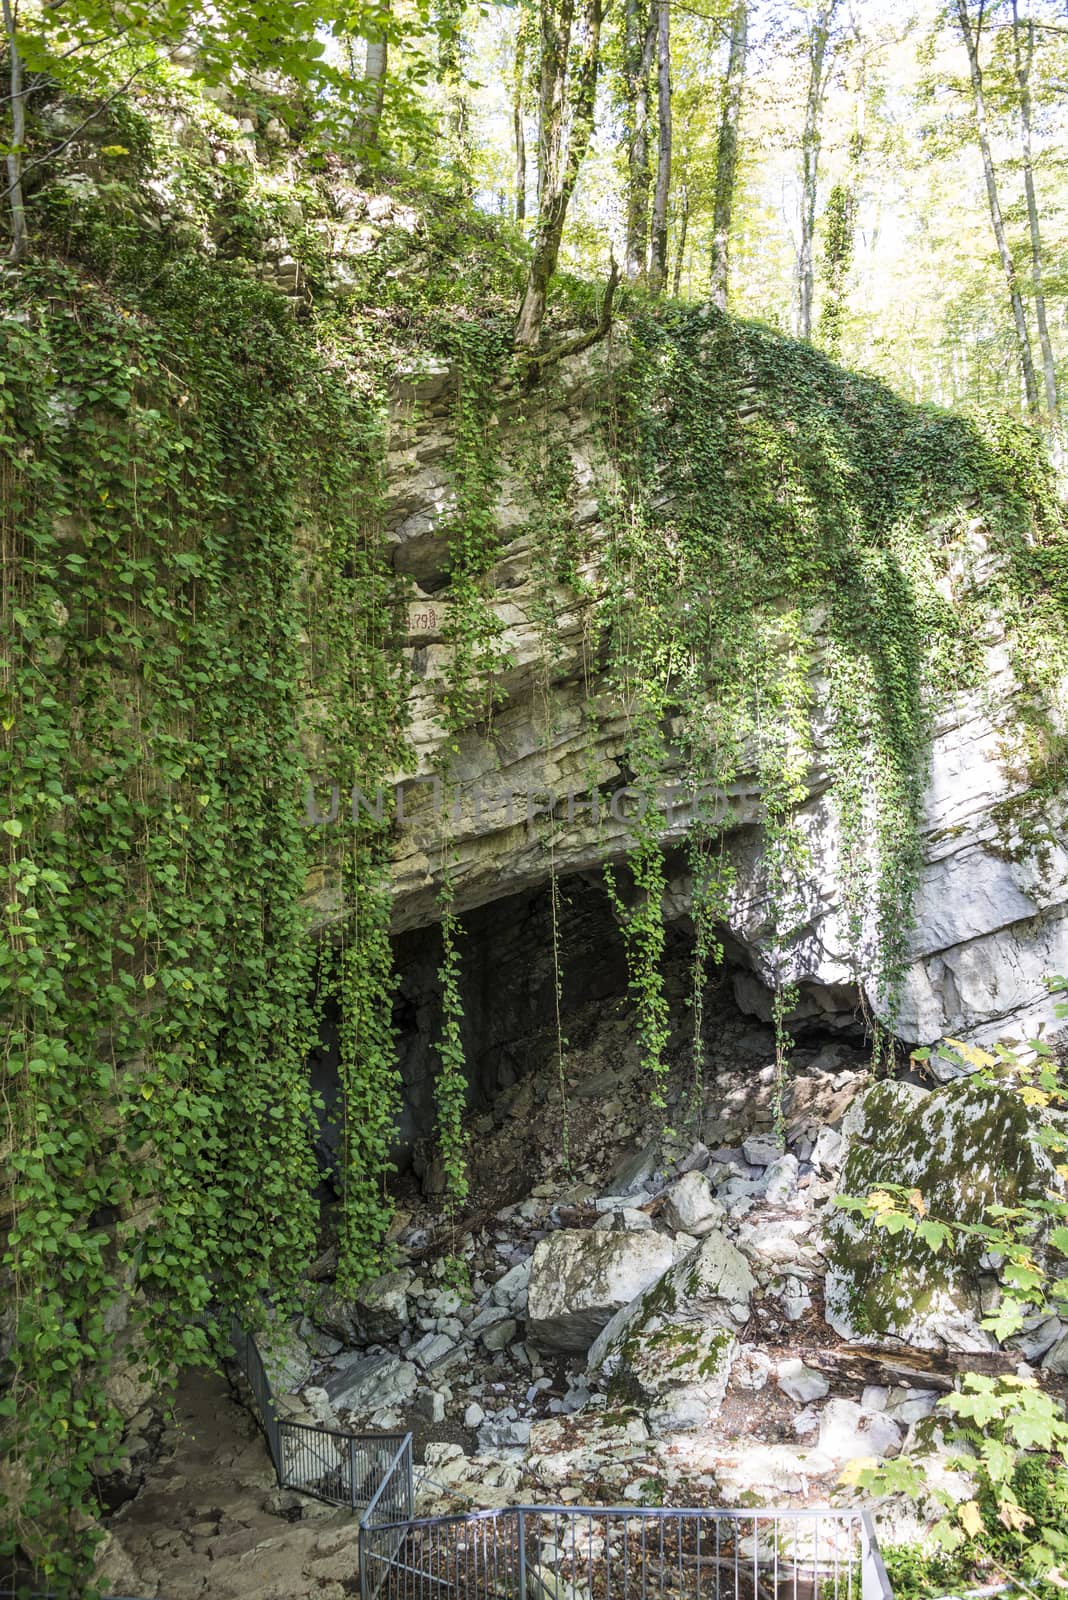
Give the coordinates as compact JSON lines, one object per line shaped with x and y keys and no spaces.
{"x":450,"y":1084}
{"x":917,"y":1572}
{"x":156,"y":975}
{"x":280,"y":59}
{"x":355,"y":699}
{"x":1010,"y":1438}
{"x":367,"y":1069}
{"x":1006,"y":1432}
{"x":473,"y":628}
{"x":766,"y":494}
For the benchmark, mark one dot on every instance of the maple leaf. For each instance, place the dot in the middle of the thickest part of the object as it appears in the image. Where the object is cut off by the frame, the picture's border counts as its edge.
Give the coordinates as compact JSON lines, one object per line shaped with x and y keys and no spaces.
{"x":971,"y":1518}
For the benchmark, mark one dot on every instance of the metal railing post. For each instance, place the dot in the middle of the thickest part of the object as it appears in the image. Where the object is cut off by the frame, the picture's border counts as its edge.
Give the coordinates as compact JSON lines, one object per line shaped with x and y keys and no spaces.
{"x":522,"y":1537}
{"x":365,"y":1579}
{"x":874,"y":1580}
{"x":352,"y":1474}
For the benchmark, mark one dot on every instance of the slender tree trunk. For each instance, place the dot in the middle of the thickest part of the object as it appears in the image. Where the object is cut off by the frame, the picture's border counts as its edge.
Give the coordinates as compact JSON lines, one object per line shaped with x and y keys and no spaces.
{"x":451,"y":73}
{"x":375,"y":66}
{"x":1023,"y":60}
{"x":639,"y":44}
{"x":662,"y":192}
{"x":680,"y":240}
{"x":517,"y":120}
{"x":19,"y":237}
{"x":1023,"y":338}
{"x":566,"y":106}
{"x":727,"y":152}
{"x":810,"y":160}
{"x":841,"y":218}
{"x":520,"y":160}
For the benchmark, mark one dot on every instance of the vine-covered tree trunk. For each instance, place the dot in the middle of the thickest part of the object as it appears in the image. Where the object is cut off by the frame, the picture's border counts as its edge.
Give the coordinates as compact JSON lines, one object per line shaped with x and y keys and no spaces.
{"x":1023,"y":58}
{"x":17,"y":101}
{"x":681,"y":230}
{"x":659,"y":240}
{"x":450,"y":69}
{"x":842,"y":205}
{"x":639,"y":42}
{"x":818,"y":36}
{"x":518,"y":130}
{"x":1023,"y":338}
{"x":727,"y":152}
{"x":566,"y":98}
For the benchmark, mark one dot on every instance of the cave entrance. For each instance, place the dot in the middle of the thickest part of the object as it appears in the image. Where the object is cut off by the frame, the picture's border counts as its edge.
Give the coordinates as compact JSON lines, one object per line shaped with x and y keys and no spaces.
{"x":508,"y":987}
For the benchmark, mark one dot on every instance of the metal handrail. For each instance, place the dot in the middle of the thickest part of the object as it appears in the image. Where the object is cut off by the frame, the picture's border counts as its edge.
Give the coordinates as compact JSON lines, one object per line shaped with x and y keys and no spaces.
{"x":654,"y":1513}
{"x":500,"y":1554}
{"x":423,"y":1558}
{"x":329,"y":1464}
{"x":873,"y":1557}
{"x":395,"y":1465}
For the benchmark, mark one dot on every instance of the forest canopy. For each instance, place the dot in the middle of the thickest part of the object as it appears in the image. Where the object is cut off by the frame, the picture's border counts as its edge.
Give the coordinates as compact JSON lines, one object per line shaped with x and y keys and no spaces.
{"x":887,"y":181}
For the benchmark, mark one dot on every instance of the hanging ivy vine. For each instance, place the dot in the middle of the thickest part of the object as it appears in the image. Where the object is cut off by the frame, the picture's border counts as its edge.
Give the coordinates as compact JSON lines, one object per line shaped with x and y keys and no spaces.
{"x":450,"y":1085}
{"x":773,"y":532}
{"x":198,"y":609}
{"x":157,"y":972}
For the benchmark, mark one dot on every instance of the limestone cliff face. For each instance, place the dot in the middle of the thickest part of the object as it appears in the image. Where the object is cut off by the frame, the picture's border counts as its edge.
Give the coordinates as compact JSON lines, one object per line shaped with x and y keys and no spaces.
{"x":990,"y":913}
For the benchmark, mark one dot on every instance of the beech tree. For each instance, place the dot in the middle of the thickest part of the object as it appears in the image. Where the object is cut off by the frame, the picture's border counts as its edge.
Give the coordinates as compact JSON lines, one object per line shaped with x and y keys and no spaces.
{"x":570,"y":59}
{"x":818,"y":32}
{"x":659,"y":239}
{"x":1023,"y":49}
{"x":843,"y":202}
{"x":727,"y":151}
{"x":525,"y":38}
{"x":971,"y":33}
{"x":639,"y":45}
{"x":373,"y":86}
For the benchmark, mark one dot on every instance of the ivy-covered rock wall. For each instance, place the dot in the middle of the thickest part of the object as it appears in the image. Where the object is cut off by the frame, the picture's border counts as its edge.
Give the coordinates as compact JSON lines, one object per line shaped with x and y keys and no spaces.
{"x":901,"y":604}
{"x":278,"y":501}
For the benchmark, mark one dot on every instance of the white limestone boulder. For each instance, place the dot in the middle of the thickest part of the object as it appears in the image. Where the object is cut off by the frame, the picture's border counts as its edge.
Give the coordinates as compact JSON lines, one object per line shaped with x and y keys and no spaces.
{"x":670,"y":1352}
{"x":580,"y":1279}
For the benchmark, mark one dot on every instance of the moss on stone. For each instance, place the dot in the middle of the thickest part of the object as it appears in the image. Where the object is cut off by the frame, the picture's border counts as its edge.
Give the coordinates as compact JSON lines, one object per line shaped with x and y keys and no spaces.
{"x":965,"y":1148}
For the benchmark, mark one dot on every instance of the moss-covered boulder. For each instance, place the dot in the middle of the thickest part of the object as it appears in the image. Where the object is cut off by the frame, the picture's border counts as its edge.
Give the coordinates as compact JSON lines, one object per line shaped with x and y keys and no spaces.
{"x":970,"y":1146}
{"x":670,"y":1351}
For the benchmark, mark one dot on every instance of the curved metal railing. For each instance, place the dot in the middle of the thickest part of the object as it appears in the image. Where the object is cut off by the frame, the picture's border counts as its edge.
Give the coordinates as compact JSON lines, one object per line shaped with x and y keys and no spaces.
{"x":624,"y":1553}
{"x":344,"y":1469}
{"x":560,"y":1552}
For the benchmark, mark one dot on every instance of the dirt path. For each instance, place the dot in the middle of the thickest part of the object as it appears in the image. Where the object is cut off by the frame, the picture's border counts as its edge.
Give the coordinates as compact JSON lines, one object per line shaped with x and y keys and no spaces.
{"x":199,"y":1529}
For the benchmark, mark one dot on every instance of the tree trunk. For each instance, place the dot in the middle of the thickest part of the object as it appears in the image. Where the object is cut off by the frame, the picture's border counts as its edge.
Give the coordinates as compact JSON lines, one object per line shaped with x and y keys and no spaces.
{"x":1023,"y":338}
{"x":639,"y":43}
{"x":375,"y":65}
{"x":517,"y":120}
{"x":566,"y":106}
{"x":810,"y":158}
{"x":727,"y":152}
{"x":680,"y":241}
{"x":1023,"y":59}
{"x":659,"y":241}
{"x":841,"y":220}
{"x":19,"y":237}
{"x":451,"y":73}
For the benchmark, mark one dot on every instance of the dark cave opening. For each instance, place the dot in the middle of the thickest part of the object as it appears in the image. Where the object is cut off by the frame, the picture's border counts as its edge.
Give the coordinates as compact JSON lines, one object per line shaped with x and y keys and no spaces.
{"x":509,"y":1027}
